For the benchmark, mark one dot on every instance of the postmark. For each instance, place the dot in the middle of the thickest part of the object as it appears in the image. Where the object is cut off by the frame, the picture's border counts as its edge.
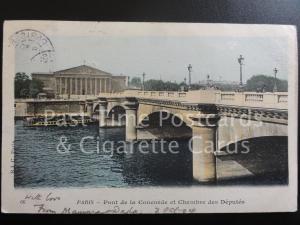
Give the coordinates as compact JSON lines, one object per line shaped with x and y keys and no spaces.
{"x":38,"y":44}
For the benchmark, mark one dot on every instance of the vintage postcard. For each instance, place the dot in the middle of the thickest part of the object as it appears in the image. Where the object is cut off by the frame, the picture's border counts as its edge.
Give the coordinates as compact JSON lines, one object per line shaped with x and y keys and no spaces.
{"x":119,"y":117}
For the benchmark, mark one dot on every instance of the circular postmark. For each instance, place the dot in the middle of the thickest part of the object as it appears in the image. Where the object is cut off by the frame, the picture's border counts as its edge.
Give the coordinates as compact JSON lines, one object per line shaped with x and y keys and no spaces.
{"x":39,"y":45}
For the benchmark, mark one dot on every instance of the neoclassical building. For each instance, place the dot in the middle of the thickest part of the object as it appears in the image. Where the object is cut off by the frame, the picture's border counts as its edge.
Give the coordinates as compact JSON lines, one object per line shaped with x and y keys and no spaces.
{"x":81,"y":80}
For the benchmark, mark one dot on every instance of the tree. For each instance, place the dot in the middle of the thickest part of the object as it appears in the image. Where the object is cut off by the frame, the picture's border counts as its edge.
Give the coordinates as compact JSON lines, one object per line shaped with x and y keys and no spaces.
{"x":159,"y":85}
{"x":25,"y":87}
{"x":171,"y":86}
{"x":36,"y":86}
{"x":22,"y":83}
{"x":228,"y":86}
{"x":196,"y":86}
{"x":154,"y":85}
{"x":259,"y":82}
{"x":135,"y":82}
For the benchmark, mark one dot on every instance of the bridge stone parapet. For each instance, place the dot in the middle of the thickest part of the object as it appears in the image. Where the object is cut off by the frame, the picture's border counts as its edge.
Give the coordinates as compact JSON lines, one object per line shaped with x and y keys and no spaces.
{"x":277,"y":100}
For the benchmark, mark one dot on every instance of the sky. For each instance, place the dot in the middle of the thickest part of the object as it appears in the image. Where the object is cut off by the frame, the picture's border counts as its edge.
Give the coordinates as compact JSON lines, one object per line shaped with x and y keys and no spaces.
{"x":165,"y":57}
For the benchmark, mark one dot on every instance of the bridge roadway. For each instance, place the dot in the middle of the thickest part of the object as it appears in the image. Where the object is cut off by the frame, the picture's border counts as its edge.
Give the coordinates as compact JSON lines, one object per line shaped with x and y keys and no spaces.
{"x":202,"y":111}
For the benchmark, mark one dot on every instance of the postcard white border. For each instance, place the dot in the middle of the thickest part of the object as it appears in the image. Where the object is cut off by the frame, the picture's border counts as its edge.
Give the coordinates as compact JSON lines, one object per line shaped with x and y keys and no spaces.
{"x":257,"y":198}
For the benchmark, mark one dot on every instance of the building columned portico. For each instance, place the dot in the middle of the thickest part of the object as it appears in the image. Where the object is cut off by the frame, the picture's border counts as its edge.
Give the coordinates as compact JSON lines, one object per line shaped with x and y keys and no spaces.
{"x":81,"y":80}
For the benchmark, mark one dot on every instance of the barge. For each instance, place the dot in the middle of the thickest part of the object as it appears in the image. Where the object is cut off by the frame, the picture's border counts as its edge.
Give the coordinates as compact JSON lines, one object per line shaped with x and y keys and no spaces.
{"x":58,"y":120}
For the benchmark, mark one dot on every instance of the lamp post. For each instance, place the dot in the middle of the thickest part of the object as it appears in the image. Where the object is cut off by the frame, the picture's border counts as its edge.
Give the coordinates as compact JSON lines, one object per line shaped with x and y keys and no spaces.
{"x":240,"y":61}
{"x":207,"y":81}
{"x":143,"y":81}
{"x":275,"y":81}
{"x":190,"y":74}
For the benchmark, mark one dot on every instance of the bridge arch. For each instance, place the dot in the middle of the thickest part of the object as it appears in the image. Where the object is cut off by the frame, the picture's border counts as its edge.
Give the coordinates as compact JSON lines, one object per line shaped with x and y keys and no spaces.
{"x":164,"y":116}
{"x":260,"y":159}
{"x":145,"y":110}
{"x":116,"y":112}
{"x":96,"y":108}
{"x":116,"y":116}
{"x":112,"y":104}
{"x":116,"y":108}
{"x":162,"y":124}
{"x":238,"y":129}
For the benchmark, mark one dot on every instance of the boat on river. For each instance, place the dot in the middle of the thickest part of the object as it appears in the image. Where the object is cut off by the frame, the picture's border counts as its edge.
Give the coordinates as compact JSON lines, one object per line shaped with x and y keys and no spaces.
{"x":58,"y":120}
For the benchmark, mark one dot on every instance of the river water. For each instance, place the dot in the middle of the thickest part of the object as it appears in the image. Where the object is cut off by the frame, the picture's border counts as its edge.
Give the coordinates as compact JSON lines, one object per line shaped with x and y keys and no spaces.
{"x":38,"y":162}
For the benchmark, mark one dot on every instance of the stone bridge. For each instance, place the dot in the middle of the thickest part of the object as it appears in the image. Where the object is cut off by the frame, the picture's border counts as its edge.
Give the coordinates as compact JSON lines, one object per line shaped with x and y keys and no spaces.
{"x":213,"y":119}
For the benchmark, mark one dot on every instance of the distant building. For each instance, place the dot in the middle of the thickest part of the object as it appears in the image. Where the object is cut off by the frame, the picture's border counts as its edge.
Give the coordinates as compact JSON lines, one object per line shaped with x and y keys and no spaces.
{"x":81,"y":80}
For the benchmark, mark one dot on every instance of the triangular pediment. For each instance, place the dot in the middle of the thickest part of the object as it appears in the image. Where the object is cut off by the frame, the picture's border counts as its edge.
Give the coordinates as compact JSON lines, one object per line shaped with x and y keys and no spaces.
{"x":84,"y":70}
